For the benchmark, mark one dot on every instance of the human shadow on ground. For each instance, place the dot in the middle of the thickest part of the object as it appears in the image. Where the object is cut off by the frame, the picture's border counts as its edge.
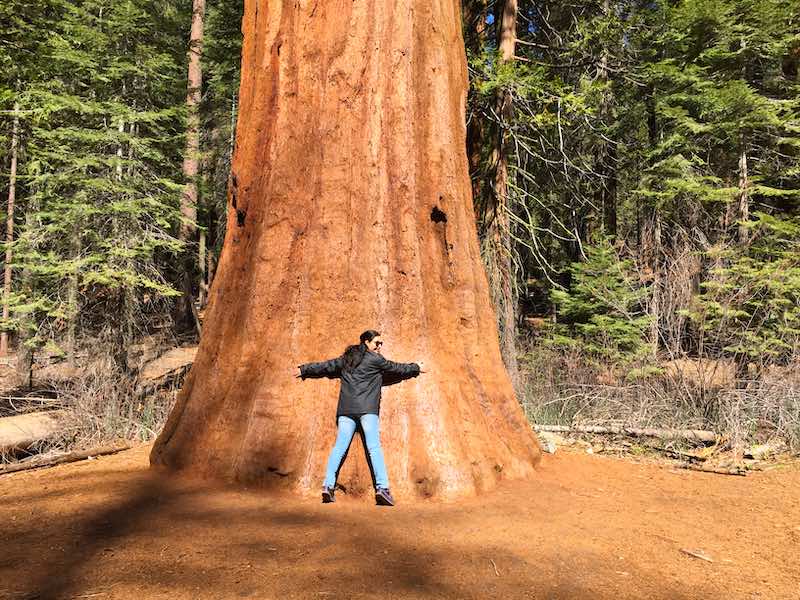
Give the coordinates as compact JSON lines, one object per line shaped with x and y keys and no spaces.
{"x":144,"y":535}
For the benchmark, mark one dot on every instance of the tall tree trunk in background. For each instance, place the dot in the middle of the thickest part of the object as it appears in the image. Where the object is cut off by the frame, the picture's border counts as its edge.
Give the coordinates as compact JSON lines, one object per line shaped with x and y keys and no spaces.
{"x":606,"y":196}
{"x":350,"y":208}
{"x":202,"y":294}
{"x":122,"y":331}
{"x":641,"y":204}
{"x":186,"y":318}
{"x":12,"y":191}
{"x":657,"y":285}
{"x":744,"y":196}
{"x":742,"y":238}
{"x":24,"y":351}
{"x":475,"y":13}
{"x":650,"y":246}
{"x":498,"y":233}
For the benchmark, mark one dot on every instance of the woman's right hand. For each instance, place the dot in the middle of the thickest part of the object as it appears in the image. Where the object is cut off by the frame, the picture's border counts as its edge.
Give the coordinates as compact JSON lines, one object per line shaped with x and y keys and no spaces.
{"x":421,"y":367}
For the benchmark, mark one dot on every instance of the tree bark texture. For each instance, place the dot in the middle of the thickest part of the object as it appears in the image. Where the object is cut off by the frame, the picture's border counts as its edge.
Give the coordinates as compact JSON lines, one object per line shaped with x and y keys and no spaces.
{"x":349,"y":209}
{"x":185,"y":316}
{"x":12,"y":191}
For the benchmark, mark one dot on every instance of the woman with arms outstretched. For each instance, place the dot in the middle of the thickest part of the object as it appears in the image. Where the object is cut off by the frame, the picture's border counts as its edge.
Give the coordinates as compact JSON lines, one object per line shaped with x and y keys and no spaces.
{"x":361,"y":369}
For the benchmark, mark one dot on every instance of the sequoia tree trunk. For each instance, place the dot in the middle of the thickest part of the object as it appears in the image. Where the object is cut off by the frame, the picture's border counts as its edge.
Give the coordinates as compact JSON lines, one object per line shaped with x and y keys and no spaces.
{"x":350,"y":208}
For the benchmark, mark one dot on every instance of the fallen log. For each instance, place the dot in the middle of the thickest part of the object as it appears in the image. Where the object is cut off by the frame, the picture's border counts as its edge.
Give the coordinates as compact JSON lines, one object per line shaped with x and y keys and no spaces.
{"x":59,"y":459}
{"x":165,"y":371}
{"x":698,"y":435}
{"x":169,"y":363}
{"x":20,"y":432}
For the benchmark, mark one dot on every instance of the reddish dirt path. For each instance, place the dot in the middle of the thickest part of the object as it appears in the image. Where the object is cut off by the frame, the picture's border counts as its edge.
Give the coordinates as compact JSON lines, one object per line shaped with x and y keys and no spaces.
{"x":586,"y":527}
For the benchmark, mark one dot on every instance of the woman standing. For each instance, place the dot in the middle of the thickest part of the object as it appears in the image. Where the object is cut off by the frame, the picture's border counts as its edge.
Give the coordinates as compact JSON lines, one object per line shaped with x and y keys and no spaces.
{"x":361,"y":369}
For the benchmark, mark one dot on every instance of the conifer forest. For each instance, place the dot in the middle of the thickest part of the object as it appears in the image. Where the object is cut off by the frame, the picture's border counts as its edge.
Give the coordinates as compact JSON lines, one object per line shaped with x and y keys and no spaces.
{"x":635,"y":171}
{"x":542,"y":256}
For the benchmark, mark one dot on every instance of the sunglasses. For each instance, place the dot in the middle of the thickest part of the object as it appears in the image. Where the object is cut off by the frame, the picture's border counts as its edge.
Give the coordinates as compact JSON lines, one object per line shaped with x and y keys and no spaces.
{"x":378,"y":344}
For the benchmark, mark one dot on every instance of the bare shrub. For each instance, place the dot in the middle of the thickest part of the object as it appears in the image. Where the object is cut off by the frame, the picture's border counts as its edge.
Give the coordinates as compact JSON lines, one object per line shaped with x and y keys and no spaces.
{"x":104,"y":405}
{"x":561,"y":388}
{"x":764,"y":409}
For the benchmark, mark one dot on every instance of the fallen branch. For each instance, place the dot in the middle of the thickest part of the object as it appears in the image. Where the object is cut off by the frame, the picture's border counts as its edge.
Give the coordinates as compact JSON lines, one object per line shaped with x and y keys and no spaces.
{"x":699,"y":435}
{"x":697,"y":554}
{"x":680,"y":455}
{"x":60,"y":459}
{"x":496,"y":572}
{"x":741,"y":471}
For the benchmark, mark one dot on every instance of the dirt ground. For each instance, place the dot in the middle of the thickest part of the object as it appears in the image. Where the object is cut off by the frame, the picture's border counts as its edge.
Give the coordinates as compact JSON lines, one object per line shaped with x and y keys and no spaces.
{"x":590,"y":527}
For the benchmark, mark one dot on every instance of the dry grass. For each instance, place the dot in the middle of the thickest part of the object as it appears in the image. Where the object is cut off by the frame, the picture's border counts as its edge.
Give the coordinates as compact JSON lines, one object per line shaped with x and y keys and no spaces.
{"x":102,"y":405}
{"x":563,"y":389}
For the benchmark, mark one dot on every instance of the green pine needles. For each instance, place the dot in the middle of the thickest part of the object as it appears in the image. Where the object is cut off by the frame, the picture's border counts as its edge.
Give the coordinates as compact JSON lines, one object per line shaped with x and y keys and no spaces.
{"x":601,"y":311}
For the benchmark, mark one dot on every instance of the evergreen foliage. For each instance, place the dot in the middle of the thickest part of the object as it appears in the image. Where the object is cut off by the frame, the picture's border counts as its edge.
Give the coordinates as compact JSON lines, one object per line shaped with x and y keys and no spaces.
{"x":222,"y":55}
{"x":670,"y":129}
{"x":602,"y":310}
{"x":667,"y":132}
{"x":749,"y":309}
{"x":102,"y":87}
{"x":103,"y":119}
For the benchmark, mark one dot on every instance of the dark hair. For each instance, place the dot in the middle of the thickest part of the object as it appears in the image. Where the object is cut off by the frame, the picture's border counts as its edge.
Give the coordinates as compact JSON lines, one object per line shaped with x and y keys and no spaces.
{"x":353,"y":355}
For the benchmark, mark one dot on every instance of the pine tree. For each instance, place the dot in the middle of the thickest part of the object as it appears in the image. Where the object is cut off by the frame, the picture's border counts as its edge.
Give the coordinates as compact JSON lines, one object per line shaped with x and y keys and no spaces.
{"x":101,"y":169}
{"x":602,"y":310}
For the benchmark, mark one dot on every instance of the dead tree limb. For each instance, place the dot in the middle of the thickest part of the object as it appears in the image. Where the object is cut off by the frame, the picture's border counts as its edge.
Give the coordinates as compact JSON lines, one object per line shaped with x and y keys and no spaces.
{"x":60,"y":459}
{"x":698,"y":435}
{"x":741,"y":471}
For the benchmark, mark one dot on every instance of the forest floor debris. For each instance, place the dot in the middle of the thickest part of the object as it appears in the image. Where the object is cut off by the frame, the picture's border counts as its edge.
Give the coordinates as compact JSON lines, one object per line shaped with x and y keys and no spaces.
{"x":720,"y":458}
{"x":584,"y":527}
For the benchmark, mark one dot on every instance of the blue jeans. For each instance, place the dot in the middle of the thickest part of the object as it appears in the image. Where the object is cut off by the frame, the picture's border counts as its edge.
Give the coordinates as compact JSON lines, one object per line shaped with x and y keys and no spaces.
{"x":370,"y":426}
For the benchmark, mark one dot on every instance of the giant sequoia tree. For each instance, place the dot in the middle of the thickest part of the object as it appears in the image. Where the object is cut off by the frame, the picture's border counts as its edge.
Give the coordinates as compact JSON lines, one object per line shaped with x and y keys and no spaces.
{"x":350,"y":208}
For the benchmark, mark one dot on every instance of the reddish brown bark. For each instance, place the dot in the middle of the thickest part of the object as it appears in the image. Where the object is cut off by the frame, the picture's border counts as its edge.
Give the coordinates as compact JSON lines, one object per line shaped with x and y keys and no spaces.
{"x":350,"y":208}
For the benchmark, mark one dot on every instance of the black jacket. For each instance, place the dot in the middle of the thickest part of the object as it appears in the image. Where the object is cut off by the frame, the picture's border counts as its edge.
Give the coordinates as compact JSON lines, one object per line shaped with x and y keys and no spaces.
{"x":360,"y":391}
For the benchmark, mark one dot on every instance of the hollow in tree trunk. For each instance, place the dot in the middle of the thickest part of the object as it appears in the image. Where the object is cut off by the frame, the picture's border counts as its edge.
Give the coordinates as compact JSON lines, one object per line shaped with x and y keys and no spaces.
{"x":349,"y":209}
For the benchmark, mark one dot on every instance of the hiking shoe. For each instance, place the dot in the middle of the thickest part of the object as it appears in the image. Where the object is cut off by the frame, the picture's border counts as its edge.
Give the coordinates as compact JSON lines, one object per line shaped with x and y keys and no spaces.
{"x":327,"y":495}
{"x":383,"y":497}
